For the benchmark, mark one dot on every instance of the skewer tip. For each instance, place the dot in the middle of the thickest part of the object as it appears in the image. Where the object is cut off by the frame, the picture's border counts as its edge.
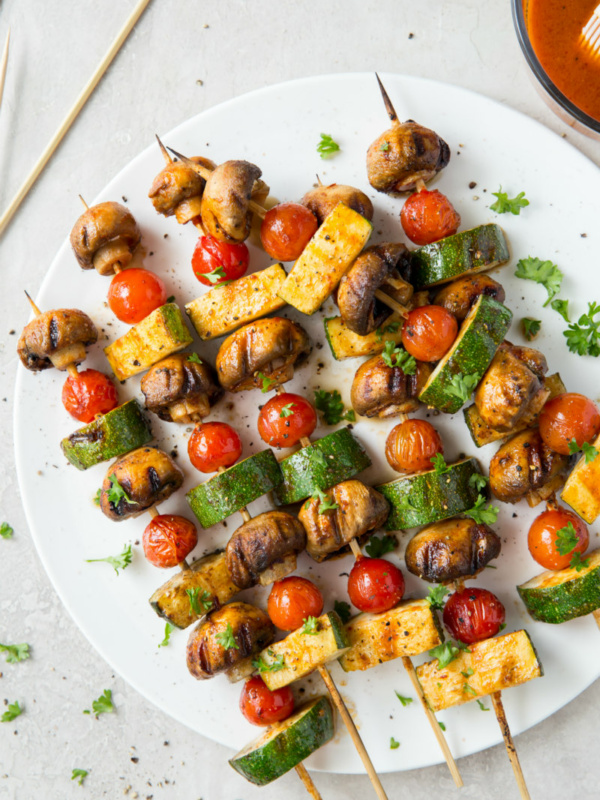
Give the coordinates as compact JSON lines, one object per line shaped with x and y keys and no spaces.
{"x":387,"y":102}
{"x":163,"y":150}
{"x":84,"y":203}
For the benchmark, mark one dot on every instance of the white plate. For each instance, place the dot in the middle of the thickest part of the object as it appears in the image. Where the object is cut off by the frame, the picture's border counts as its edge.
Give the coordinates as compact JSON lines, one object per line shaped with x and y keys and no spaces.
{"x":279,"y":128}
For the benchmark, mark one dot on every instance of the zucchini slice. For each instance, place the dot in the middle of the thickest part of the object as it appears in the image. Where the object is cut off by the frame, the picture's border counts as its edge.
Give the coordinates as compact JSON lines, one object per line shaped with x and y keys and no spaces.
{"x":482,"y":434}
{"x":427,"y":497}
{"x":160,"y":334}
{"x":300,"y":653}
{"x":559,"y":596}
{"x":479,"y":337}
{"x":112,"y":435}
{"x":325,"y":259}
{"x":344,"y":343}
{"x":465,"y":253}
{"x":412,"y":627}
{"x":488,"y":666}
{"x":229,"y":306}
{"x":208,"y":578}
{"x":330,"y":460}
{"x":582,"y":488}
{"x":284,"y":745}
{"x":229,"y":491}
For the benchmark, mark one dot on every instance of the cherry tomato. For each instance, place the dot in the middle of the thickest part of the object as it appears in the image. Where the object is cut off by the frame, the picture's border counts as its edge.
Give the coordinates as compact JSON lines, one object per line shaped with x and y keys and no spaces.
{"x":261,"y":706}
{"x":88,"y":394}
{"x":292,"y":600}
{"x":428,"y":216}
{"x":213,"y":445}
{"x":375,"y":585}
{"x":215,"y":262}
{"x":285,"y":419}
{"x":568,"y":416}
{"x":411,"y":445}
{"x":543,"y":535}
{"x":134,"y":293}
{"x":286,"y":230}
{"x":168,"y":539}
{"x":473,"y":614}
{"x":429,"y":332}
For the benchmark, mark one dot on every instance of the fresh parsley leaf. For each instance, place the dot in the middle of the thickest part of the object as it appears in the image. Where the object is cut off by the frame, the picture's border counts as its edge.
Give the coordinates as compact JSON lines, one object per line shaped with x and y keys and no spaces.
{"x":286,"y":411}
{"x":562,"y":306}
{"x":15,"y":652}
{"x":103,"y":705}
{"x":377,"y":547}
{"x":194,"y":358}
{"x":502,"y":626}
{"x":116,"y":493}
{"x":588,"y":450}
{"x":447,"y":652}
{"x":14,"y":711}
{"x":439,"y":464}
{"x":406,"y":701}
{"x":122,"y":561}
{"x":215,"y":276}
{"x":478,"y":481}
{"x":226,"y":639}
{"x":483,"y":515}
{"x":168,"y":631}
{"x":531,"y":327}
{"x":544,"y":272}
{"x":395,"y":356}
{"x":442,"y":726}
{"x":277,"y":664}
{"x":327,"y":147}
{"x":384,"y":146}
{"x":311,"y":626}
{"x":6,"y":531}
{"x":171,"y":299}
{"x":325,"y":504}
{"x":467,"y":673}
{"x":504,"y":203}
{"x":97,"y":497}
{"x":343,"y":611}
{"x":331,"y":407}
{"x":582,"y":336}
{"x":199,"y":604}
{"x":566,"y":539}
{"x":578,"y":563}
{"x":481,"y":706}
{"x":462,"y":386}
{"x":319,"y":458}
{"x":394,"y":745}
{"x":436,"y":596}
{"x":266,"y":382}
{"x":80,"y":774}
{"x":469,"y":689}
{"x":391,"y":327}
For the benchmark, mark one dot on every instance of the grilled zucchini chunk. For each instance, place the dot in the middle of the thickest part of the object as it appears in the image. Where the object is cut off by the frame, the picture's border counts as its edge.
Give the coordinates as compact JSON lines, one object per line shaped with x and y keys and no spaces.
{"x":181,"y":388}
{"x":459,"y":296}
{"x":492,"y":666}
{"x":582,"y":489}
{"x":379,"y":390}
{"x":344,"y":343}
{"x":56,"y":339}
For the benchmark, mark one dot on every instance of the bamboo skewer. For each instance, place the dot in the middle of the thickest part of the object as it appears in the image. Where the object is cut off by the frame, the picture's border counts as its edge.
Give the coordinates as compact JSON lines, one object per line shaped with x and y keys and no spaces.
{"x":3,"y":65}
{"x":72,"y":115}
{"x":393,"y":304}
{"x":388,"y":104}
{"x":510,"y":746}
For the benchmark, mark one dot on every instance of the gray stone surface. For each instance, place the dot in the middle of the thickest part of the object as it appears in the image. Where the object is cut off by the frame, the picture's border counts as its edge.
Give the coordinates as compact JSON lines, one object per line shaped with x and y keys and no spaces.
{"x":232,"y":47}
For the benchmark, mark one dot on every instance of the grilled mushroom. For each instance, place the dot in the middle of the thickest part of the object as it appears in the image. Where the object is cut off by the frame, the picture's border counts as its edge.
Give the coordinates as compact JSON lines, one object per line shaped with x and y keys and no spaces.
{"x":271,"y":347}
{"x":323,"y":199}
{"x":178,"y":188}
{"x":104,"y":237}
{"x":225,"y":202}
{"x":459,"y":296}
{"x":264,"y":549}
{"x":56,"y":339}
{"x":359,"y":510}
{"x":178,"y":389}
{"x":382,"y":391}
{"x":525,"y":467}
{"x":138,"y":481}
{"x":226,"y":639}
{"x":374,"y":269}
{"x":451,"y":549}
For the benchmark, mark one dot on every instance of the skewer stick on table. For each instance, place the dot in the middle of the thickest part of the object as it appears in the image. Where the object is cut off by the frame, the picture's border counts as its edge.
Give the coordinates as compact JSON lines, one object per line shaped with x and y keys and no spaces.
{"x":3,"y":65}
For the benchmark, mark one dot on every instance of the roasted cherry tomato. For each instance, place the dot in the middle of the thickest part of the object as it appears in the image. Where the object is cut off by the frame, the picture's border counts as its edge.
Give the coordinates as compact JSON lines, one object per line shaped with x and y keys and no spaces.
{"x":285,"y":419}
{"x":428,"y":216}
{"x":215,"y":262}
{"x":292,"y":600}
{"x":375,"y":585}
{"x":473,"y":614}
{"x":88,"y":394}
{"x":411,"y":445}
{"x":213,"y":445}
{"x":429,"y":332}
{"x":568,"y":416}
{"x":286,"y":230}
{"x":168,"y":539}
{"x":545,"y":543}
{"x":261,"y":706}
{"x":134,"y":293}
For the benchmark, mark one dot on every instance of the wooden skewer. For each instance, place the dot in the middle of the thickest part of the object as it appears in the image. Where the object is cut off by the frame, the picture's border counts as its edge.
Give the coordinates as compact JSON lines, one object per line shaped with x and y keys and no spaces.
{"x":72,"y":115}
{"x":388,"y":104}
{"x":596,"y":615}
{"x":3,"y":65}
{"x":307,"y":781}
{"x":510,"y":746}
{"x":85,"y":205}
{"x":166,"y":155}
{"x":393,"y":304}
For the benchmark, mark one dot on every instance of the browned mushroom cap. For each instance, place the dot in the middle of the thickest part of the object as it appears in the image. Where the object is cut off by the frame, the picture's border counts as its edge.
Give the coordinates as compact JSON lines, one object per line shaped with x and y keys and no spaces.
{"x":138,"y":481}
{"x":382,"y":391}
{"x":247,"y":630}
{"x":104,"y":235}
{"x":262,"y":542}
{"x":56,"y":339}
{"x":228,"y":191}
{"x":375,"y":268}
{"x":323,"y":199}
{"x":452,"y":549}
{"x":271,"y":347}
{"x":459,"y":296}
{"x":178,"y":389}
{"x":178,"y":184}
{"x":404,"y":154}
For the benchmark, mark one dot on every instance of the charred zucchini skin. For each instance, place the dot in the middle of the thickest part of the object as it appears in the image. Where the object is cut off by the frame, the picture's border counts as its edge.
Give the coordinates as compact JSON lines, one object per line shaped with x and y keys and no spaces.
{"x":567,"y":594}
{"x":330,"y":460}
{"x":286,"y":743}
{"x":475,"y":250}
{"x":229,"y":491}
{"x":427,"y":497}
{"x":112,"y":435}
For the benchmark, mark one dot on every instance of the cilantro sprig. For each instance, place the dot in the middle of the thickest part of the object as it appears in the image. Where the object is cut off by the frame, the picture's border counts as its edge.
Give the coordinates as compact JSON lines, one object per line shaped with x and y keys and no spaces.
{"x":332,"y":408}
{"x":199,"y":603}
{"x":311,"y":626}
{"x":436,"y":595}
{"x":406,"y":701}
{"x":483,"y":515}
{"x":122,"y":561}
{"x":79,"y":775}
{"x":276,"y":665}
{"x":169,"y":628}
{"x":531,"y":327}
{"x":377,"y":547}
{"x":194,"y":358}
{"x":462,"y":386}
{"x":6,"y":531}
{"x":504,"y":204}
{"x":226,"y":639}
{"x":577,"y":562}
{"x":286,"y":411}
{"x":566,"y":539}
{"x":14,"y":711}
{"x":544,"y":272}
{"x":396,"y":356}
{"x":216,"y":276}
{"x":439,"y":464}
{"x":342,"y":609}
{"x":116,"y":493}
{"x":102,"y":705}
{"x":326,"y":503}
{"x":327,"y":147}
{"x":267,"y":383}
{"x":448,"y":652}
{"x":394,"y":745}
{"x":478,"y":481}
{"x":583,"y":336}
{"x":562,"y":307}
{"x":588,"y":450}
{"x":15,"y":652}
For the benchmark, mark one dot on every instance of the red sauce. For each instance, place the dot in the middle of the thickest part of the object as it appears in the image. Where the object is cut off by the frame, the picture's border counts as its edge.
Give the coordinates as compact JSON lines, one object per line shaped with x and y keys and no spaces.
{"x":554,"y":28}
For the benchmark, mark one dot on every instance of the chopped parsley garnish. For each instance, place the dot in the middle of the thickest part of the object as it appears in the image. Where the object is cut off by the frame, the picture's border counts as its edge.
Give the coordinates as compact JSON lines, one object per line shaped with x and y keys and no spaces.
{"x":97,"y":497}
{"x":447,"y":652}
{"x":483,"y":515}
{"x":566,"y":539}
{"x":266,"y":382}
{"x":588,"y":450}
{"x":442,"y":726}
{"x":171,"y":299}
{"x":582,"y":336}
{"x":481,"y":706}
{"x":577,"y":562}
{"x":436,"y":596}
{"x":461,"y":386}
{"x":326,"y":504}
{"x":531,"y":327}
{"x":15,"y":652}
{"x":122,"y":561}
{"x":168,"y":631}
{"x":311,"y":626}
{"x":327,"y":147}
{"x":406,"y":701}
{"x":562,"y":307}
{"x":394,"y":745}
{"x":505,"y":204}
{"x":79,"y":775}
{"x":194,"y":358}
{"x":226,"y":639}
{"x":544,"y":272}
{"x":439,"y":464}
{"x":467,"y":673}
{"x":391,"y":327}
{"x":14,"y":711}
{"x":478,"y":481}
{"x":377,"y":547}
{"x":332,"y":408}
{"x":343,"y":611}
{"x":6,"y":531}
{"x":215,"y":276}
{"x":199,"y":603}
{"x":469,"y":689}
{"x":395,"y":356}
{"x":384,"y":146}
{"x":116,"y":493}
{"x":277,"y":664}
{"x":286,"y":411}
{"x":103,"y":705}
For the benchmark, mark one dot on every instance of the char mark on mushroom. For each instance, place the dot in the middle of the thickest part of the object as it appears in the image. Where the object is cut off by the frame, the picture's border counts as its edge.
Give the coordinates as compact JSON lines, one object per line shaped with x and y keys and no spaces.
{"x":105,"y":235}
{"x":382,"y":391}
{"x":56,"y":338}
{"x":226,"y":211}
{"x":323,"y":199}
{"x":179,"y":390}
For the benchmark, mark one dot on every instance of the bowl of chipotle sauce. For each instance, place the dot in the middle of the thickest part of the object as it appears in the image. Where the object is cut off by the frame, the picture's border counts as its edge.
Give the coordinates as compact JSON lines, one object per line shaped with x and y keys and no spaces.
{"x":549,"y":33}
